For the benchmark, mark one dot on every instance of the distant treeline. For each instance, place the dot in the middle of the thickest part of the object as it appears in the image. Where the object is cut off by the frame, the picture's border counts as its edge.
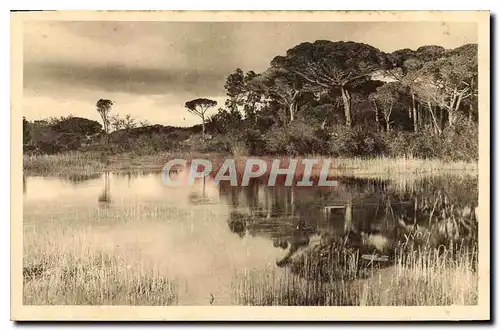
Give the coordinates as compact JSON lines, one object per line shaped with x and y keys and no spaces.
{"x":56,"y":135}
{"x":328,"y":98}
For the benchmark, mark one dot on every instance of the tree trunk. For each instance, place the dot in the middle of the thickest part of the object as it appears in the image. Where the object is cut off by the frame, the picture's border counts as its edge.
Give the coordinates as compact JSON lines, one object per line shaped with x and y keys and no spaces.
{"x":323,"y":124}
{"x":387,"y":116}
{"x":420,"y":116}
{"x":203,"y":124}
{"x":452,"y":114}
{"x":414,"y":109}
{"x":346,"y":98}
{"x":348,"y":216}
{"x":437,"y":129}
{"x":292,"y":111}
{"x":441,"y":117}
{"x":375,"y":107}
{"x":106,"y":128}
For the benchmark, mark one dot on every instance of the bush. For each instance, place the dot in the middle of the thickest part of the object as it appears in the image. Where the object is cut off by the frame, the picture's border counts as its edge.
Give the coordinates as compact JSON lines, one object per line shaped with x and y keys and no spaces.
{"x":358,"y":141}
{"x":298,"y":138}
{"x":149,"y":144}
{"x":457,"y":144}
{"x":461,"y":142}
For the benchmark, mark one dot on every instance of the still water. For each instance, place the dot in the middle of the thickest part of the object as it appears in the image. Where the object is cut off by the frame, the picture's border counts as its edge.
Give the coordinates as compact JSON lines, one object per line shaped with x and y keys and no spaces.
{"x":205,"y":234}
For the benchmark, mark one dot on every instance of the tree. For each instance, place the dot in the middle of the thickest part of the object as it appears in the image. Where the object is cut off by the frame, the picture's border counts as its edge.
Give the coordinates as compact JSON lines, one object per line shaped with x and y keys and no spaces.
{"x":339,"y":65}
{"x":385,"y":99}
{"x":282,"y":86}
{"x":254,"y":97}
{"x":430,"y":52}
{"x":126,"y":123}
{"x":129,"y":122}
{"x":79,"y":125}
{"x":103,"y":108}
{"x":26,"y":131}
{"x":224,"y":121}
{"x":407,"y":69}
{"x":242,"y":92}
{"x":235,"y":89}
{"x":199,"y":107}
{"x":451,"y":79}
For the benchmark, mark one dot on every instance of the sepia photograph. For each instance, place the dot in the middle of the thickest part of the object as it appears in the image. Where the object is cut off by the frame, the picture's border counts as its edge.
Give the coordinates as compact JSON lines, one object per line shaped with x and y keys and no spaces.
{"x":278,"y":165}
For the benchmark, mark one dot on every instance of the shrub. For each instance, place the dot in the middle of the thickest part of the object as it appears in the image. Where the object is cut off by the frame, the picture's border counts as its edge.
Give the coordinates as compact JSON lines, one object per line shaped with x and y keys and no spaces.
{"x":461,"y":142}
{"x":299,"y":138}
{"x":358,"y":141}
{"x":454,"y":144}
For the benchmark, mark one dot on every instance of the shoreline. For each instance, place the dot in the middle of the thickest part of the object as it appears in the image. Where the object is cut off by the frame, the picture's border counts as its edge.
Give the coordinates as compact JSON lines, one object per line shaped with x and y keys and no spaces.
{"x":76,"y":164}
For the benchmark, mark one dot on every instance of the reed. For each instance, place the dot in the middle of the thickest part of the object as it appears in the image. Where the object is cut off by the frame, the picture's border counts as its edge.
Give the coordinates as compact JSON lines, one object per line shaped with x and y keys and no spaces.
{"x":66,"y":164}
{"x":71,"y":261}
{"x":422,"y":277}
{"x":71,"y":164}
{"x":94,"y":279}
{"x":425,"y":276}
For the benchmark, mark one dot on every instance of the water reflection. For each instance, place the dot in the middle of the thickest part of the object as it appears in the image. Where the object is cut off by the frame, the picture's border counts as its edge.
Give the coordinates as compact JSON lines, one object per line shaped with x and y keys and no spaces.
{"x":104,"y":197}
{"x":373,"y":216}
{"x":211,"y":232}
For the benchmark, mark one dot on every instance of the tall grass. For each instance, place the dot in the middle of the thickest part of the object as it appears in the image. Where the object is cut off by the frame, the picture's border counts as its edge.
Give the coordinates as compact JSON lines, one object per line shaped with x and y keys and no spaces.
{"x":84,"y":258}
{"x":76,"y":164}
{"x":320,"y":280}
{"x":366,"y":166}
{"x":92,"y":162}
{"x":423,"y":277}
{"x":69,"y":164}
{"x":94,"y":279}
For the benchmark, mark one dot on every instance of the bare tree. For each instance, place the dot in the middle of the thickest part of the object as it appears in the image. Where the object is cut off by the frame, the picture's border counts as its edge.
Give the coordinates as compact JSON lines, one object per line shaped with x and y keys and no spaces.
{"x":119,"y":123}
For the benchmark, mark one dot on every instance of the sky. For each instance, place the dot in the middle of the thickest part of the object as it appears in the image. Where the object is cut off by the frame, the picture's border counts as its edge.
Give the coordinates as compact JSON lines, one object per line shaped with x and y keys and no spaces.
{"x":150,"y":69}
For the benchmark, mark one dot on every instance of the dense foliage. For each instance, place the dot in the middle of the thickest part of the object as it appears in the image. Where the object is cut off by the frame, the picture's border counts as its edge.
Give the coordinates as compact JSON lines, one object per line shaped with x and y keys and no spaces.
{"x":329,"y":98}
{"x":351,"y":99}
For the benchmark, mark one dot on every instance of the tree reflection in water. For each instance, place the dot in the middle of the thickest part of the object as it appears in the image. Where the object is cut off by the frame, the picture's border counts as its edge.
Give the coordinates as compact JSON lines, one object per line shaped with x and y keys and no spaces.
{"x":366,"y":218}
{"x":104,"y":197}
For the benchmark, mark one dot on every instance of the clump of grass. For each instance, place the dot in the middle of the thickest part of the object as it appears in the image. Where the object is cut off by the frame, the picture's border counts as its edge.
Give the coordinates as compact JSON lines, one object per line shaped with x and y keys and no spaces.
{"x":425,"y":277}
{"x":283,"y":288}
{"x":420,"y":277}
{"x":69,"y":165}
{"x":71,"y":261}
{"x":94,"y":279}
{"x":87,"y":165}
{"x":377,"y":165}
{"x":317,"y":278}
{"x":78,"y":163}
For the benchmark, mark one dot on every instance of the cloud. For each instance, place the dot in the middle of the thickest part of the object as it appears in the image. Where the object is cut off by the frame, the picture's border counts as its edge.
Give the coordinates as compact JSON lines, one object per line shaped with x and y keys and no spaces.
{"x":158,"y":109}
{"x":121,"y":78}
{"x":150,"y":69}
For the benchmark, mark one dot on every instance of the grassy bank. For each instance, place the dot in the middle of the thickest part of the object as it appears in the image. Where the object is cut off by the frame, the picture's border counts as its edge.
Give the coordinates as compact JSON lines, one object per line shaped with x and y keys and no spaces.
{"x":94,"y":279}
{"x":420,"y":278}
{"x":70,"y":263}
{"x":76,"y":164}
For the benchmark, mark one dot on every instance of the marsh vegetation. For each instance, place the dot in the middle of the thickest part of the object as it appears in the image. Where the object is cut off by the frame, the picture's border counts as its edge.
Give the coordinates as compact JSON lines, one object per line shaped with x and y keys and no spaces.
{"x":146,"y":243}
{"x":400,"y":129}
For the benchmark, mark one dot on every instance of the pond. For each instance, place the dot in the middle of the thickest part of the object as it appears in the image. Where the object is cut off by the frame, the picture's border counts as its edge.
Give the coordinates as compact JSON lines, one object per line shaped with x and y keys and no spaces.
{"x":205,"y":237}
